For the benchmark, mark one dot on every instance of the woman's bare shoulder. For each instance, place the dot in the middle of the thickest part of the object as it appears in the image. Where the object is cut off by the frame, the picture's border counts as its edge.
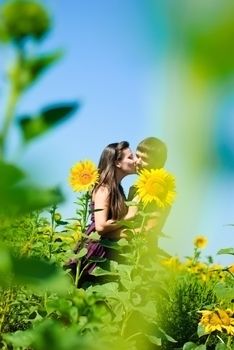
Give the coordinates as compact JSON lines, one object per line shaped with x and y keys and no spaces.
{"x":102,"y":190}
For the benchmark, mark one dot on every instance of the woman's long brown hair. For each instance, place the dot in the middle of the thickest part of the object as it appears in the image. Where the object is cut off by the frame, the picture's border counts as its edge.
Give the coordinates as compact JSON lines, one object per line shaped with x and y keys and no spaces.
{"x":107,"y":172}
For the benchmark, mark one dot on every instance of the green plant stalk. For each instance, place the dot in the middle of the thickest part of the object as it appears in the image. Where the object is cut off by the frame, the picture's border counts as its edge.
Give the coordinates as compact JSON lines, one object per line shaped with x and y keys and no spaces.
{"x":229,"y":341}
{"x":133,"y":336}
{"x":207,"y":340}
{"x":137,"y":260}
{"x":78,"y":274}
{"x":136,"y":248}
{"x":142,"y":224}
{"x":125,"y":321}
{"x":196,"y":255}
{"x":51,"y":237}
{"x":85,"y":213}
{"x":9,"y":115}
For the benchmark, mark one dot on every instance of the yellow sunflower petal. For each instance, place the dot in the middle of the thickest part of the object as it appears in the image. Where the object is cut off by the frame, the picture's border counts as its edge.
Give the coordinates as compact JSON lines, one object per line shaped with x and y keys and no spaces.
{"x":157,"y":186}
{"x":217,"y":320}
{"x":200,"y":242}
{"x":83,"y":175}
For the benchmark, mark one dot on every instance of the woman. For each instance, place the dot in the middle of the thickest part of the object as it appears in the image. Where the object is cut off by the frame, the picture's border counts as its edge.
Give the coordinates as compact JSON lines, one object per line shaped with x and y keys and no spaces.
{"x":116,"y":162}
{"x":108,"y":203}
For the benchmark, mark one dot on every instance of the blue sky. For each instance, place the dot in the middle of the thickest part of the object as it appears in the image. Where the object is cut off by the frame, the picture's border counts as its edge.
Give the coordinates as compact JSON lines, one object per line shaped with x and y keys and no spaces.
{"x":118,"y":64}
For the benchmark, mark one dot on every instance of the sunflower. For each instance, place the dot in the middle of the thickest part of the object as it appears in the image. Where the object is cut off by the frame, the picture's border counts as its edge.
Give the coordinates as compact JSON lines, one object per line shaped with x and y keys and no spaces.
{"x":83,"y":175}
{"x":173,"y":263}
{"x":156,"y":185}
{"x":200,"y":242}
{"x":218,"y":320}
{"x":231,"y":268}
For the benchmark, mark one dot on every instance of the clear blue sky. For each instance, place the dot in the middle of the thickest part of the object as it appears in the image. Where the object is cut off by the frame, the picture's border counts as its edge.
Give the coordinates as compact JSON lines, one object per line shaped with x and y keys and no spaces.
{"x":115,"y":64}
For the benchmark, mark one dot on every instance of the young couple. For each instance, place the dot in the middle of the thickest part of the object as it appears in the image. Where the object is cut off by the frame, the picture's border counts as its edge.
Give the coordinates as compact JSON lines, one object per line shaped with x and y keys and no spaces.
{"x":108,"y":204}
{"x":117,"y":161}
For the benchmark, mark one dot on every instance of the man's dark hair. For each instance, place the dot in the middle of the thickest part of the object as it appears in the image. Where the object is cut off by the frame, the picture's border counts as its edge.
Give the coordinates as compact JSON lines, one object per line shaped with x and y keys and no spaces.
{"x":156,"y":151}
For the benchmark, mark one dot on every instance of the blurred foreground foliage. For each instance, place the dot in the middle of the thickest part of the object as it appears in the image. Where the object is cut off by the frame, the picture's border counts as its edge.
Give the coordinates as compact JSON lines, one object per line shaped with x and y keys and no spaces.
{"x":23,"y":26}
{"x":148,"y":301}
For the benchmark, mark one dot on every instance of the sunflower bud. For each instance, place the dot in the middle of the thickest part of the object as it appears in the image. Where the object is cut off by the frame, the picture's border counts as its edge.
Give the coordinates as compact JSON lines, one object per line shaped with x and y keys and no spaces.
{"x":57,"y":217}
{"x":21,"y":19}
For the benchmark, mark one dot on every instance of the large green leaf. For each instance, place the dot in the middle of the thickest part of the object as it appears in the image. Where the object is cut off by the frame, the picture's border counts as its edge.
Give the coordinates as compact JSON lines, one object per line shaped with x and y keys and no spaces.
{"x":106,"y":290}
{"x":98,"y":271}
{"x":26,"y":71}
{"x":17,"y":196}
{"x":116,"y":245}
{"x":189,"y":346}
{"x":148,"y":310}
{"x":201,"y":331}
{"x":221,"y":346}
{"x":154,"y":340}
{"x":226,"y":251}
{"x":109,"y":268}
{"x":31,"y":271}
{"x":18,"y":200}
{"x":10,"y":175}
{"x":82,"y":253}
{"x":224,"y":292}
{"x":32,"y":127}
{"x":36,"y":66}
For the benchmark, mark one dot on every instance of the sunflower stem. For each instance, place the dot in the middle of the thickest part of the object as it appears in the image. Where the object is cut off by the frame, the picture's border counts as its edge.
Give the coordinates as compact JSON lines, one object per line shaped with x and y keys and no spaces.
{"x":229,"y":342}
{"x":77,"y":273}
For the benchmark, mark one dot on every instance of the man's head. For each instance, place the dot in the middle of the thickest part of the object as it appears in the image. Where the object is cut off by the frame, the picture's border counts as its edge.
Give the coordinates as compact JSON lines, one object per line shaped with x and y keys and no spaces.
{"x":151,"y":153}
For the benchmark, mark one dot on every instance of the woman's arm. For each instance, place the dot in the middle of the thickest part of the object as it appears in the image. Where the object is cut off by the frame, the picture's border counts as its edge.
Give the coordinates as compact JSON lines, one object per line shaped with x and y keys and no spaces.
{"x":103,"y":225}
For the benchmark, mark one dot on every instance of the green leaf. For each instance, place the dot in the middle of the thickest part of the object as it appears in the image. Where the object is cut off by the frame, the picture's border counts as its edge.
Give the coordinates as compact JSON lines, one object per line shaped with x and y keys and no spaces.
{"x":32,"y":127}
{"x":136,"y":299}
{"x":22,"y":199}
{"x":94,"y":236}
{"x":201,"y":347}
{"x":130,"y":224}
{"x":110,"y":244}
{"x":26,"y":71}
{"x":226,"y":251}
{"x":148,"y":310}
{"x":98,"y":271}
{"x":82,"y":253}
{"x":221,"y":346}
{"x":125,"y":276}
{"x":167,"y":336}
{"x":96,"y":259}
{"x":38,"y":274}
{"x":189,"y":346}
{"x":154,"y":340}
{"x":106,"y":290}
{"x":123,"y":242}
{"x":201,"y":331}
{"x":36,"y":66}
{"x":224,"y":292}
{"x":10,"y":175}
{"x":19,"y":339}
{"x":32,"y":269}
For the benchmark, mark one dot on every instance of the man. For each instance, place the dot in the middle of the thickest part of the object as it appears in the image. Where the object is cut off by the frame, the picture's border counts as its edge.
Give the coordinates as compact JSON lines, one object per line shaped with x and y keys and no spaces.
{"x":151,"y":153}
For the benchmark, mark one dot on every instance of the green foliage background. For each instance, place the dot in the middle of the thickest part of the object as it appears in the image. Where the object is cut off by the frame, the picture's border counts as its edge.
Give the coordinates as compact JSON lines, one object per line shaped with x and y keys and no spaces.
{"x":139,"y":304}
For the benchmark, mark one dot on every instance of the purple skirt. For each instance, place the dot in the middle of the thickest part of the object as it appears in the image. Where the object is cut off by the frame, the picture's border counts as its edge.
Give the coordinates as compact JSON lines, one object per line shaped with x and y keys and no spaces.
{"x":94,"y":250}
